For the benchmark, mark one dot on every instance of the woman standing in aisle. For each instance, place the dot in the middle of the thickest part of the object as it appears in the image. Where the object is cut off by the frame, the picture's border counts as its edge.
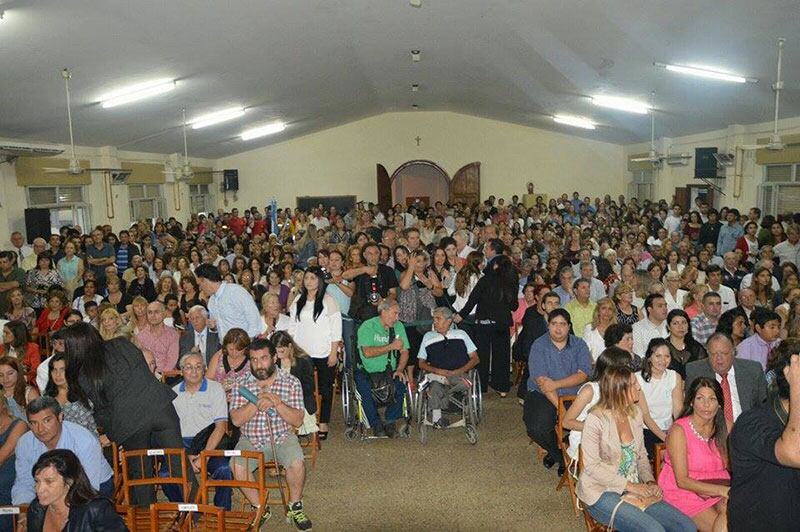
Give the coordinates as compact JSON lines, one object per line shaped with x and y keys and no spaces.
{"x":316,"y":326}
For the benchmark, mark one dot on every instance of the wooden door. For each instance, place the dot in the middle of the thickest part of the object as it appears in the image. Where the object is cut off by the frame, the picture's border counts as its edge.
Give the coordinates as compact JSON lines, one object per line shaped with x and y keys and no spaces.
{"x":384,"y":189}
{"x":681,"y":198}
{"x":466,"y":185}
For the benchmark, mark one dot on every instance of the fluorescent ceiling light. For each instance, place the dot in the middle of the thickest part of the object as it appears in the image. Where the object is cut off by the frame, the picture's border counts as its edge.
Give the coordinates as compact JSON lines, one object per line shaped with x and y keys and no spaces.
{"x":621,"y":104}
{"x":702,"y":72}
{"x":137,"y":92}
{"x":215,"y":118}
{"x":262,"y":131}
{"x":576,"y":121}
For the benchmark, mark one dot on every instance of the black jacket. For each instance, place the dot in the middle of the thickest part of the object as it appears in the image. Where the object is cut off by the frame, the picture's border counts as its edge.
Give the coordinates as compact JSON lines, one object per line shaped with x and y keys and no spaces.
{"x":709,"y":233}
{"x":212,"y":342}
{"x":96,"y":515}
{"x":128,"y":397}
{"x":534,"y":325}
{"x":491,"y":305}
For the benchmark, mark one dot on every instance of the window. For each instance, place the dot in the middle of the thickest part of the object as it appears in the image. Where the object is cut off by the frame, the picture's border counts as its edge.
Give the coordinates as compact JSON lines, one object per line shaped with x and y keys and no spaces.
{"x":641,"y":187}
{"x":200,"y":198}
{"x":146,"y":201}
{"x":780,"y":191}
{"x":65,"y":203}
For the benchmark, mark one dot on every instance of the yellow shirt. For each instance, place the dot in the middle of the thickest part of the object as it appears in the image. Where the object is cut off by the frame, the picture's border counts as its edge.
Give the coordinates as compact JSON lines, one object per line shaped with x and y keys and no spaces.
{"x":581,"y":315}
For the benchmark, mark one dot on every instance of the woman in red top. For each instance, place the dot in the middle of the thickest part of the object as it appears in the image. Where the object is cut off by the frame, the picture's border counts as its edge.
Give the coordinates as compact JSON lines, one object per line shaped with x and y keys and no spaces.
{"x":15,"y":344}
{"x":52,"y":317}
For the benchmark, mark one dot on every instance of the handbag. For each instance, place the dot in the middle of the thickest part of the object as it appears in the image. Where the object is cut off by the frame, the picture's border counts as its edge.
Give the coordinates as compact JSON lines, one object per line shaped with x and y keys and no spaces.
{"x":228,"y":441}
{"x":381,"y":383}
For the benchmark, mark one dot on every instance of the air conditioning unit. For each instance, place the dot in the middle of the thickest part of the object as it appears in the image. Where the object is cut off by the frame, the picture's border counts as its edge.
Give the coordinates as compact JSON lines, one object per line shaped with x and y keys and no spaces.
{"x":724,"y":160}
{"x":12,"y":151}
{"x":678,"y":159}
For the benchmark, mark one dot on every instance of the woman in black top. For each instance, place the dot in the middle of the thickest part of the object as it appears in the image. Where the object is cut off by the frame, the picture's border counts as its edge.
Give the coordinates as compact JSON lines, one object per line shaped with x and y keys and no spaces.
{"x":142,"y":285}
{"x":132,"y":407}
{"x":496,"y":298}
{"x":65,"y":499}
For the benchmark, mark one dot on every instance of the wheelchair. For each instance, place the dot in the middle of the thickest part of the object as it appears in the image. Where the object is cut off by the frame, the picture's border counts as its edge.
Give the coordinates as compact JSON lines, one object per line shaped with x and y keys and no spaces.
{"x":357,"y":425}
{"x":468,"y":403}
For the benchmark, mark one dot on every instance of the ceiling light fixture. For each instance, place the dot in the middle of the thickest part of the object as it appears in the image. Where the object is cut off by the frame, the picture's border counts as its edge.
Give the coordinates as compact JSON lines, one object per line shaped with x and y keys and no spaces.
{"x":621,"y":104}
{"x":262,"y":131}
{"x":576,"y":121}
{"x":137,"y":92}
{"x":708,"y":73}
{"x":415,"y":55}
{"x":415,"y":87}
{"x":415,"y":3}
{"x":215,"y":118}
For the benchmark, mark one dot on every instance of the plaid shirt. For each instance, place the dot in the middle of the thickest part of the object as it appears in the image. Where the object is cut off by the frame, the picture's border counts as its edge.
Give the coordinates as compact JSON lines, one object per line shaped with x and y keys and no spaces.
{"x":703,"y":328}
{"x":288,"y":388}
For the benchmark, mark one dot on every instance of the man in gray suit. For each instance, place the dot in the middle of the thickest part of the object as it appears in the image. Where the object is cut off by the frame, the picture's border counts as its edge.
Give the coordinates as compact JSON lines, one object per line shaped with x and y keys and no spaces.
{"x":743,"y":383}
{"x":198,"y":336}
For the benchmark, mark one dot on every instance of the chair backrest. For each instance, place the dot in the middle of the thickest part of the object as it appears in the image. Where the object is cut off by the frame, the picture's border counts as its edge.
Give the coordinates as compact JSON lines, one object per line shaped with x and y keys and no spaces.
{"x":255,"y":462}
{"x":317,"y":395}
{"x":658,"y":459}
{"x":128,"y":514}
{"x":14,"y":512}
{"x":149,"y":463}
{"x":211,"y":517}
{"x":564,"y":403}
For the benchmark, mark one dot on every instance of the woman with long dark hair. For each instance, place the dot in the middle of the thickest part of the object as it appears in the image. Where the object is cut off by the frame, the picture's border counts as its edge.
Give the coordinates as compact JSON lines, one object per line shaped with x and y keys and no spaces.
{"x":65,"y":499}
{"x":316,"y":326}
{"x":683,"y":348}
{"x":134,"y":409}
{"x":695,"y":478}
{"x":495,"y":296}
{"x":74,"y":404}
{"x":662,"y":391}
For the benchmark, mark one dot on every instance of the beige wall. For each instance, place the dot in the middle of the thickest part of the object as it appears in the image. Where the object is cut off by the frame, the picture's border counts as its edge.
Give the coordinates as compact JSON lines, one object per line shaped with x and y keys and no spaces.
{"x":342,"y":160}
{"x":742,"y":197}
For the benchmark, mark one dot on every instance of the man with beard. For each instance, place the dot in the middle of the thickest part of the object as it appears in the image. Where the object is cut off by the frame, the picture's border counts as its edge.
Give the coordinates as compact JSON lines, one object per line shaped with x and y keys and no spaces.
{"x":268,"y":427}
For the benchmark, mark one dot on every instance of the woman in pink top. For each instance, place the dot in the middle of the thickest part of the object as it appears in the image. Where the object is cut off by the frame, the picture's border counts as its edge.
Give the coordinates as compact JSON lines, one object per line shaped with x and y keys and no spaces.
{"x":695,"y":479}
{"x":528,"y":299}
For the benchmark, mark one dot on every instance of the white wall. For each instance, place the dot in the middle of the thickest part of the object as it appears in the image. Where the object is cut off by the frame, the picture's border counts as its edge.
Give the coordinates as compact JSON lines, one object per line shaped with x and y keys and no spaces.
{"x":725,"y":140}
{"x":342,"y":160}
{"x":13,"y":199}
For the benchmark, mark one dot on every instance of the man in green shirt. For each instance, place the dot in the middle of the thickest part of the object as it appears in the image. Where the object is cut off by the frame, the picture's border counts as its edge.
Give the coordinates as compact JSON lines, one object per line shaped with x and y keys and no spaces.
{"x":581,"y":308}
{"x":382,"y":342}
{"x":10,"y":277}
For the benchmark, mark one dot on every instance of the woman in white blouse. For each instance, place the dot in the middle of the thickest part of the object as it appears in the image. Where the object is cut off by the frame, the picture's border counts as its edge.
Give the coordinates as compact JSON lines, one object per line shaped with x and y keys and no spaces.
{"x":673,"y":293}
{"x":316,"y":326}
{"x":662,"y":389}
{"x":605,"y":313}
{"x":466,"y":279}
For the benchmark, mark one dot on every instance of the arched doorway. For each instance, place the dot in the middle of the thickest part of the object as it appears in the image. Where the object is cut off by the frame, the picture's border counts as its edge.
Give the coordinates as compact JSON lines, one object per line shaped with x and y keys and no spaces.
{"x":420,"y":180}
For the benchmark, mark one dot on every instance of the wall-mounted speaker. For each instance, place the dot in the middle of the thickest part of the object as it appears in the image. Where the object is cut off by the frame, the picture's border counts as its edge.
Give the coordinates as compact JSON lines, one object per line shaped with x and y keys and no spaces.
{"x":705,"y":164}
{"x":37,"y":224}
{"x":230,"y":180}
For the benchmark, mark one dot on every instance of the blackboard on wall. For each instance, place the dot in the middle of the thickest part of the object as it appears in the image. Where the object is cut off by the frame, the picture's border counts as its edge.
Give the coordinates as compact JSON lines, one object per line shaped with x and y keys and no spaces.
{"x":343,"y":204}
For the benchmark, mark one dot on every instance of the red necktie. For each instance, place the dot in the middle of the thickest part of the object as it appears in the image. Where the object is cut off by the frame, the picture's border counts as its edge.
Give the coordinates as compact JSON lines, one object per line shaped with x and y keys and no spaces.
{"x":727,"y":407}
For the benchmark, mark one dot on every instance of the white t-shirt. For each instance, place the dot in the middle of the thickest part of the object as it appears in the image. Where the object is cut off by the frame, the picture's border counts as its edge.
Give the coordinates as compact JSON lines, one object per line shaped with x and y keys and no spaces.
{"x":594,"y":340}
{"x":200,"y":409}
{"x":575,"y":435}
{"x":658,"y":393}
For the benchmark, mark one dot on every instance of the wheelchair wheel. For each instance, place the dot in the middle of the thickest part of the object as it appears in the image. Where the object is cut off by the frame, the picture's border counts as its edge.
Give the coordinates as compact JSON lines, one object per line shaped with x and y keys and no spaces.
{"x":347,"y":404}
{"x":472,"y":434}
{"x":476,"y":398}
{"x":423,"y":433}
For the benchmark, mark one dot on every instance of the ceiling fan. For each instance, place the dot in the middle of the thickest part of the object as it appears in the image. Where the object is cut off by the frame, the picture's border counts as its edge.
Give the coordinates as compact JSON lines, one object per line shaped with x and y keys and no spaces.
{"x":653,"y":156}
{"x":74,"y":167}
{"x":184,"y":172}
{"x":775,"y":143}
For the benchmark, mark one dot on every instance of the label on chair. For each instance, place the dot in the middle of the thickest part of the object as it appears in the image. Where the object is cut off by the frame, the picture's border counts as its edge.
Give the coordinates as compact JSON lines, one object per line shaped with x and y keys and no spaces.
{"x":233,"y":452}
{"x":187,"y":507}
{"x":9,"y":510}
{"x":155,"y":452}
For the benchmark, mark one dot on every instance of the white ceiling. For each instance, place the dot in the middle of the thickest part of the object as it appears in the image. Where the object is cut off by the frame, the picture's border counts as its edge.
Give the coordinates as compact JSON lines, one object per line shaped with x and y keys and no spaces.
{"x":320,"y":63}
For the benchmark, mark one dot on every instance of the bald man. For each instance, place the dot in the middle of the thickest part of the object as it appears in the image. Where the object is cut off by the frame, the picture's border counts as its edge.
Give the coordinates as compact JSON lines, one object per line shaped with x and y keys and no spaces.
{"x":159,"y":339}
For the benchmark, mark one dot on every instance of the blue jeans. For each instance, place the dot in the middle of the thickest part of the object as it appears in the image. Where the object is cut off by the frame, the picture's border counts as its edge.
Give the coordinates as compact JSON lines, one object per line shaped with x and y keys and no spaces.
{"x":218,"y":469}
{"x":394,"y":410}
{"x":658,"y":517}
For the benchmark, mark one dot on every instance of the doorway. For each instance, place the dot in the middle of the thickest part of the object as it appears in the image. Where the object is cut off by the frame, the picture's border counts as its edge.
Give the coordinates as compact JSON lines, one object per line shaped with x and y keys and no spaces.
{"x":423,"y":181}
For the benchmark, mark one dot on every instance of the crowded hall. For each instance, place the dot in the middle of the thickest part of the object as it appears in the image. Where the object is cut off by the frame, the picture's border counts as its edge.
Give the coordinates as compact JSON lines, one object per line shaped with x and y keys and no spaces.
{"x":402,"y":265}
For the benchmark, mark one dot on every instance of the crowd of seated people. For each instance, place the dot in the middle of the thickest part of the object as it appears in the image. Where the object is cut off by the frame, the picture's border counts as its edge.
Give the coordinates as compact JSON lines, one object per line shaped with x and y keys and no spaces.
{"x":678,"y":296}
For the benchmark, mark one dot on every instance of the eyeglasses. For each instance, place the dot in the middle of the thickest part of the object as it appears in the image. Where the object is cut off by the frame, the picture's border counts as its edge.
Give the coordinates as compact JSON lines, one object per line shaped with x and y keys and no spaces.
{"x":193,"y":368}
